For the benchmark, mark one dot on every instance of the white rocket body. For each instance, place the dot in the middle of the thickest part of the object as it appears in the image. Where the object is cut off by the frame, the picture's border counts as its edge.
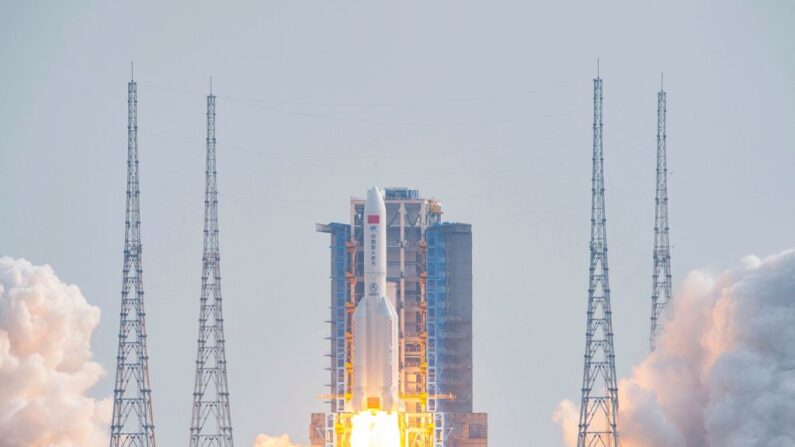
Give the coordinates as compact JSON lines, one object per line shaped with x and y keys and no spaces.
{"x":375,"y":322}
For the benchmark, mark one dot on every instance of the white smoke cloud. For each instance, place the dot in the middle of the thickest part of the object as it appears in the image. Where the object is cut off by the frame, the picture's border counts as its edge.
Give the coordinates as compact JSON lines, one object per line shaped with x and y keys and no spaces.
{"x":724,"y":370}
{"x":567,"y":416}
{"x":274,"y":441}
{"x":46,"y":362}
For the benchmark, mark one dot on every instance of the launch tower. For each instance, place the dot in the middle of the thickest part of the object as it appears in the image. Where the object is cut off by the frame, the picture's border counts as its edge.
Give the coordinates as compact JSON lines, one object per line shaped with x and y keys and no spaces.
{"x":661,"y":278}
{"x":211,"y":424}
{"x":599,"y":405}
{"x":132,"y":424}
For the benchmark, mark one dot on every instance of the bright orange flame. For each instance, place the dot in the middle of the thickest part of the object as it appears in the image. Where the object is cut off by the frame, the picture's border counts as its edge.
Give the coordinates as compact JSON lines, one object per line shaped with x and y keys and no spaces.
{"x":375,"y":429}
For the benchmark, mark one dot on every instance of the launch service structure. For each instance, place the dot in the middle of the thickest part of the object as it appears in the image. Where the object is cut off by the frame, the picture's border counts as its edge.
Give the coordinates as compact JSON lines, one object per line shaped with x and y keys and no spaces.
{"x":401,"y":324}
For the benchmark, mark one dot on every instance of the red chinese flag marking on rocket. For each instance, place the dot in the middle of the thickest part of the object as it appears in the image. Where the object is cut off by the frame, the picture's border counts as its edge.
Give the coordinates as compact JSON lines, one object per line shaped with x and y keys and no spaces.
{"x":373,"y":219}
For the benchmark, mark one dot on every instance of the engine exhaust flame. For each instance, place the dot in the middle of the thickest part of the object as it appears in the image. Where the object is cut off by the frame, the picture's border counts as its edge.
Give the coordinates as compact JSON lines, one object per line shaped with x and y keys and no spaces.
{"x":375,"y":429}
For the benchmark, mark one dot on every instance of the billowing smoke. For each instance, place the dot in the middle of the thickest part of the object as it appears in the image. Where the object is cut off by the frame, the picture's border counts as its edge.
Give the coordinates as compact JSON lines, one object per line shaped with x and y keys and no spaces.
{"x":567,"y":416}
{"x":724,"y":371}
{"x":274,"y":441}
{"x":46,"y":364}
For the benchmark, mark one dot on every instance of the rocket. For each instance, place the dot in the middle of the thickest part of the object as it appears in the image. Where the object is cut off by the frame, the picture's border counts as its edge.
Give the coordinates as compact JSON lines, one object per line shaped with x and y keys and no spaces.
{"x":375,"y":322}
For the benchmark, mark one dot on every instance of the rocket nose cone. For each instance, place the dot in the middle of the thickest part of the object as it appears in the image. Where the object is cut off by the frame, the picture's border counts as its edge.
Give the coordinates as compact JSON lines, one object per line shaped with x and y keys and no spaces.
{"x":374,"y":193}
{"x":375,"y":201}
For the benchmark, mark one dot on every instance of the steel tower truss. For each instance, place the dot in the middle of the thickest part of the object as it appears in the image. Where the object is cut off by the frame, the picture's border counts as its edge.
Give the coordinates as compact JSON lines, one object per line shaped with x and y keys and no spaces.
{"x":211,"y":422}
{"x":661,"y":278}
{"x":132,"y":424}
{"x":599,"y":405}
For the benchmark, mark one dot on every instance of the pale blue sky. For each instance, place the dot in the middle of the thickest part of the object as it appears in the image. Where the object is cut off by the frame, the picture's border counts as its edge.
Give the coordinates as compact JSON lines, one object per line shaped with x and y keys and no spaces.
{"x":483,"y":105}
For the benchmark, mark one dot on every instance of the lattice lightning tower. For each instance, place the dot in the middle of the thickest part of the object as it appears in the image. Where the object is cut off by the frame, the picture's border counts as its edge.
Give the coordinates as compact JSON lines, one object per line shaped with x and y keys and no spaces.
{"x":661,"y":278}
{"x":599,"y":405}
{"x":132,"y":424}
{"x":211,"y":423}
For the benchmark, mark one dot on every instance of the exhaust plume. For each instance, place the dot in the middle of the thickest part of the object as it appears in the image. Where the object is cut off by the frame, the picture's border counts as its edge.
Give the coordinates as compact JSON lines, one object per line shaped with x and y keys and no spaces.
{"x":723,"y":373}
{"x":274,"y":441}
{"x":46,"y":364}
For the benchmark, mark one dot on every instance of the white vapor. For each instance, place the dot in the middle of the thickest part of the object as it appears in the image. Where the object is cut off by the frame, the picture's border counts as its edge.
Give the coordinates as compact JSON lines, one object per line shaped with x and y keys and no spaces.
{"x":724,"y":370}
{"x":273,"y":441}
{"x":46,"y":363}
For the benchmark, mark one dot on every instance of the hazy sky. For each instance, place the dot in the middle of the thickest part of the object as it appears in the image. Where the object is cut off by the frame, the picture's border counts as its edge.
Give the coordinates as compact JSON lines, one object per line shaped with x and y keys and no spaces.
{"x":483,"y":105}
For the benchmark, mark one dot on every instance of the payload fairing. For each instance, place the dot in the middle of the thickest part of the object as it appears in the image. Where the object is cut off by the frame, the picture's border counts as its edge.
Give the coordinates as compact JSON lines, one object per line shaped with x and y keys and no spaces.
{"x":375,"y":321}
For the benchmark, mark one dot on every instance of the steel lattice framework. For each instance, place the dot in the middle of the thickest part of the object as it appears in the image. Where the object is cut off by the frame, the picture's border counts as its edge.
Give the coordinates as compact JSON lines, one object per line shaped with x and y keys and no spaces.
{"x":211,"y":423}
{"x":132,"y":424}
{"x":661,"y":278}
{"x":599,"y":405}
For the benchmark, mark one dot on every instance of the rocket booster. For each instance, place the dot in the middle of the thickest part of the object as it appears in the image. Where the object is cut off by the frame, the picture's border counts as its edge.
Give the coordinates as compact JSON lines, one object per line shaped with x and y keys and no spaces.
{"x":375,"y":322}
